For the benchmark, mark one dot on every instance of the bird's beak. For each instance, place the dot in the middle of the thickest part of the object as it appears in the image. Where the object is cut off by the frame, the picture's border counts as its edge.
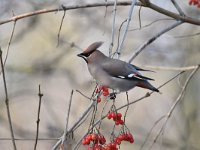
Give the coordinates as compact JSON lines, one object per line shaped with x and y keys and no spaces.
{"x":82,"y":56}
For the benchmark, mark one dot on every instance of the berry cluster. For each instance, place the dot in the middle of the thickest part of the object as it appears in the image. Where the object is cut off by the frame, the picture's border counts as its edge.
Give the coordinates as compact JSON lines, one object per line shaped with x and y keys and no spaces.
{"x":117,"y":117}
{"x":124,"y":137}
{"x":105,"y":92}
{"x":195,"y":2}
{"x":95,"y":138}
{"x":104,"y":89}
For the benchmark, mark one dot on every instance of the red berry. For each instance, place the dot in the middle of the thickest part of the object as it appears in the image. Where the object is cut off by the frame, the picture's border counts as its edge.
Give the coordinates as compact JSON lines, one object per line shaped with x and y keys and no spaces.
{"x":90,"y":148}
{"x":105,"y":89}
{"x":98,"y":99}
{"x":121,"y":122}
{"x":118,"y":141}
{"x":83,"y":141}
{"x":121,"y":137}
{"x":113,"y":145}
{"x":117,"y":122}
{"x":114,"y":116}
{"x":102,"y":139}
{"x":105,"y":93}
{"x":93,"y":137}
{"x":109,"y":116}
{"x":119,"y":115}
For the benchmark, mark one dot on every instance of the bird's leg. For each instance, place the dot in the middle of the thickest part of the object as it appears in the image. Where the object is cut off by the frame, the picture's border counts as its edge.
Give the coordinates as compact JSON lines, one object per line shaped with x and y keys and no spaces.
{"x":113,"y":95}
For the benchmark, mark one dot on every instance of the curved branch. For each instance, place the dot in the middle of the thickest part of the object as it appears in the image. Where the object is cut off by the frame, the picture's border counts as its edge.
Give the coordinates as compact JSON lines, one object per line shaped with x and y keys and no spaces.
{"x":103,"y":4}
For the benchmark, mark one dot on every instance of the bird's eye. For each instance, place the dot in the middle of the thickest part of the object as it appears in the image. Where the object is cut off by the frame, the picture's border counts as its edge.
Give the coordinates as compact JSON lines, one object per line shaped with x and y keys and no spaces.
{"x":87,"y":55}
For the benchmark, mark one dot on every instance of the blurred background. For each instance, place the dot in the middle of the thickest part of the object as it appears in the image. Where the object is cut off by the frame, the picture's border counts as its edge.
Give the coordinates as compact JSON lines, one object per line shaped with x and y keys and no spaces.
{"x":34,"y":58}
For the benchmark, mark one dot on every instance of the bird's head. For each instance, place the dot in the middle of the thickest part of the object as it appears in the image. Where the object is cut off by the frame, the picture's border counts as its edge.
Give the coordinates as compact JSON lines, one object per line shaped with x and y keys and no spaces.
{"x":90,"y":50}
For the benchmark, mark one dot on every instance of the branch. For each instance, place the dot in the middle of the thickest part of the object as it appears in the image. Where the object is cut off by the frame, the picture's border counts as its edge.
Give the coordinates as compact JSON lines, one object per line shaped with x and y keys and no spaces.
{"x":178,"y":7}
{"x":38,"y":117}
{"x":67,"y":121}
{"x":113,"y":28}
{"x":179,"y":98}
{"x":124,"y":3}
{"x":169,"y":68}
{"x":10,"y":40}
{"x":126,"y":29}
{"x":151,"y":40}
{"x":76,"y":123}
{"x":7,"y":102}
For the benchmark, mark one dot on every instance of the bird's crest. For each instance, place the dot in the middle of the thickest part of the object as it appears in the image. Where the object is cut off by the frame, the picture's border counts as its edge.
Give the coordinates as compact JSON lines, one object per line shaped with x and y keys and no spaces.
{"x":93,"y":47}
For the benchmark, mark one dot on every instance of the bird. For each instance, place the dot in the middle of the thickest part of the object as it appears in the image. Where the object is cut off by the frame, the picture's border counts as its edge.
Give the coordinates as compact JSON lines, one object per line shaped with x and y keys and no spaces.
{"x":114,"y":73}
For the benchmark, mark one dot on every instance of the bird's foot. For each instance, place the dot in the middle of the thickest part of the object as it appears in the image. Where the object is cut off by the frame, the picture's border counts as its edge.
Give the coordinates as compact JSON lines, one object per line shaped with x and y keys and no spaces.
{"x":112,"y":95}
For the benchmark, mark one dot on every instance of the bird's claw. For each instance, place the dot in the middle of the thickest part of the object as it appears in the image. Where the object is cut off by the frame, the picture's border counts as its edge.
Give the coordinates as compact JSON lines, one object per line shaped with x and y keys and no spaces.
{"x":112,"y":95}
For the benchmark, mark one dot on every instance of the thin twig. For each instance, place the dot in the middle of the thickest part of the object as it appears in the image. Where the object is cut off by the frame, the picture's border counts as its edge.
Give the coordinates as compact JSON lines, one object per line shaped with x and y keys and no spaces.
{"x":179,"y":98}
{"x":104,"y":106}
{"x":143,"y":46}
{"x":139,"y":15}
{"x":151,"y":23}
{"x":126,"y":29}
{"x":119,"y":35}
{"x":76,"y":123}
{"x":30,"y":139}
{"x":67,"y":121}
{"x":83,"y":94}
{"x":127,"y":107}
{"x":61,"y":27}
{"x":38,"y":117}
{"x":9,"y":42}
{"x":7,"y":102}
{"x":113,"y":28}
{"x":170,"y":68}
{"x":178,"y":7}
{"x":187,"y":36}
{"x":150,"y":131}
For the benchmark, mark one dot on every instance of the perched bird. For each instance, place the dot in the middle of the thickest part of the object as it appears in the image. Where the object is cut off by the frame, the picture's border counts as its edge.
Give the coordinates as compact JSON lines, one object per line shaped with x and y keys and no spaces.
{"x":114,"y":73}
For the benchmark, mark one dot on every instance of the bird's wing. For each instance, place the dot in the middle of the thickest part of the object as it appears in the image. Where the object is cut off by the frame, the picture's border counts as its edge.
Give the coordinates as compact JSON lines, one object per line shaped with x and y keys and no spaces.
{"x":140,"y":69}
{"x":123,"y":70}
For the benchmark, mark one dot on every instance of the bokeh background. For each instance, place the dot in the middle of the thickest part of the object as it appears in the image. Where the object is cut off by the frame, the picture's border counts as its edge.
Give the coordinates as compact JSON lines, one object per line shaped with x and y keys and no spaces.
{"x":34,"y":58}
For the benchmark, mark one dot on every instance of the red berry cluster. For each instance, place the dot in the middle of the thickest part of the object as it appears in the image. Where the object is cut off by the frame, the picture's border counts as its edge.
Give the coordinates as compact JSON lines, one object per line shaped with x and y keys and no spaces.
{"x":124,"y":137}
{"x":104,"y":89}
{"x":96,"y":139}
{"x":117,"y":117}
{"x":195,"y":2}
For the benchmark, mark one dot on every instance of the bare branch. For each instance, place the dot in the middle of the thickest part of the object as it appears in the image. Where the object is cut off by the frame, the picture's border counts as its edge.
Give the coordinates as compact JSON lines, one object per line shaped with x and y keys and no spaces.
{"x":178,"y":7}
{"x":113,"y":29}
{"x":76,"y":123}
{"x":67,"y":121}
{"x":7,"y":102}
{"x":38,"y":118}
{"x":150,"y":131}
{"x":179,"y":98}
{"x":126,"y":29}
{"x":142,"y":47}
{"x":124,"y":3}
{"x":170,"y":68}
{"x":61,"y":27}
{"x":9,"y":43}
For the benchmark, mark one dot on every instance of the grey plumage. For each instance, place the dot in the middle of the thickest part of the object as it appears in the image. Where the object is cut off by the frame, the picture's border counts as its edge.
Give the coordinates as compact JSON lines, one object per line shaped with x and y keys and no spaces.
{"x":114,"y":73}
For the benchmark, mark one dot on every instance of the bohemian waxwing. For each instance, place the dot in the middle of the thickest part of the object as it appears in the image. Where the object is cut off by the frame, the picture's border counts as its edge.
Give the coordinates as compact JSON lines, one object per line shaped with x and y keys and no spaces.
{"x":113,"y":73}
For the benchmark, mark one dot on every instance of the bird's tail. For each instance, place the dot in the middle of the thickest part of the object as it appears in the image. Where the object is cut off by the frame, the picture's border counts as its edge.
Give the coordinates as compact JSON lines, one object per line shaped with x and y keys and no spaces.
{"x":147,"y":85}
